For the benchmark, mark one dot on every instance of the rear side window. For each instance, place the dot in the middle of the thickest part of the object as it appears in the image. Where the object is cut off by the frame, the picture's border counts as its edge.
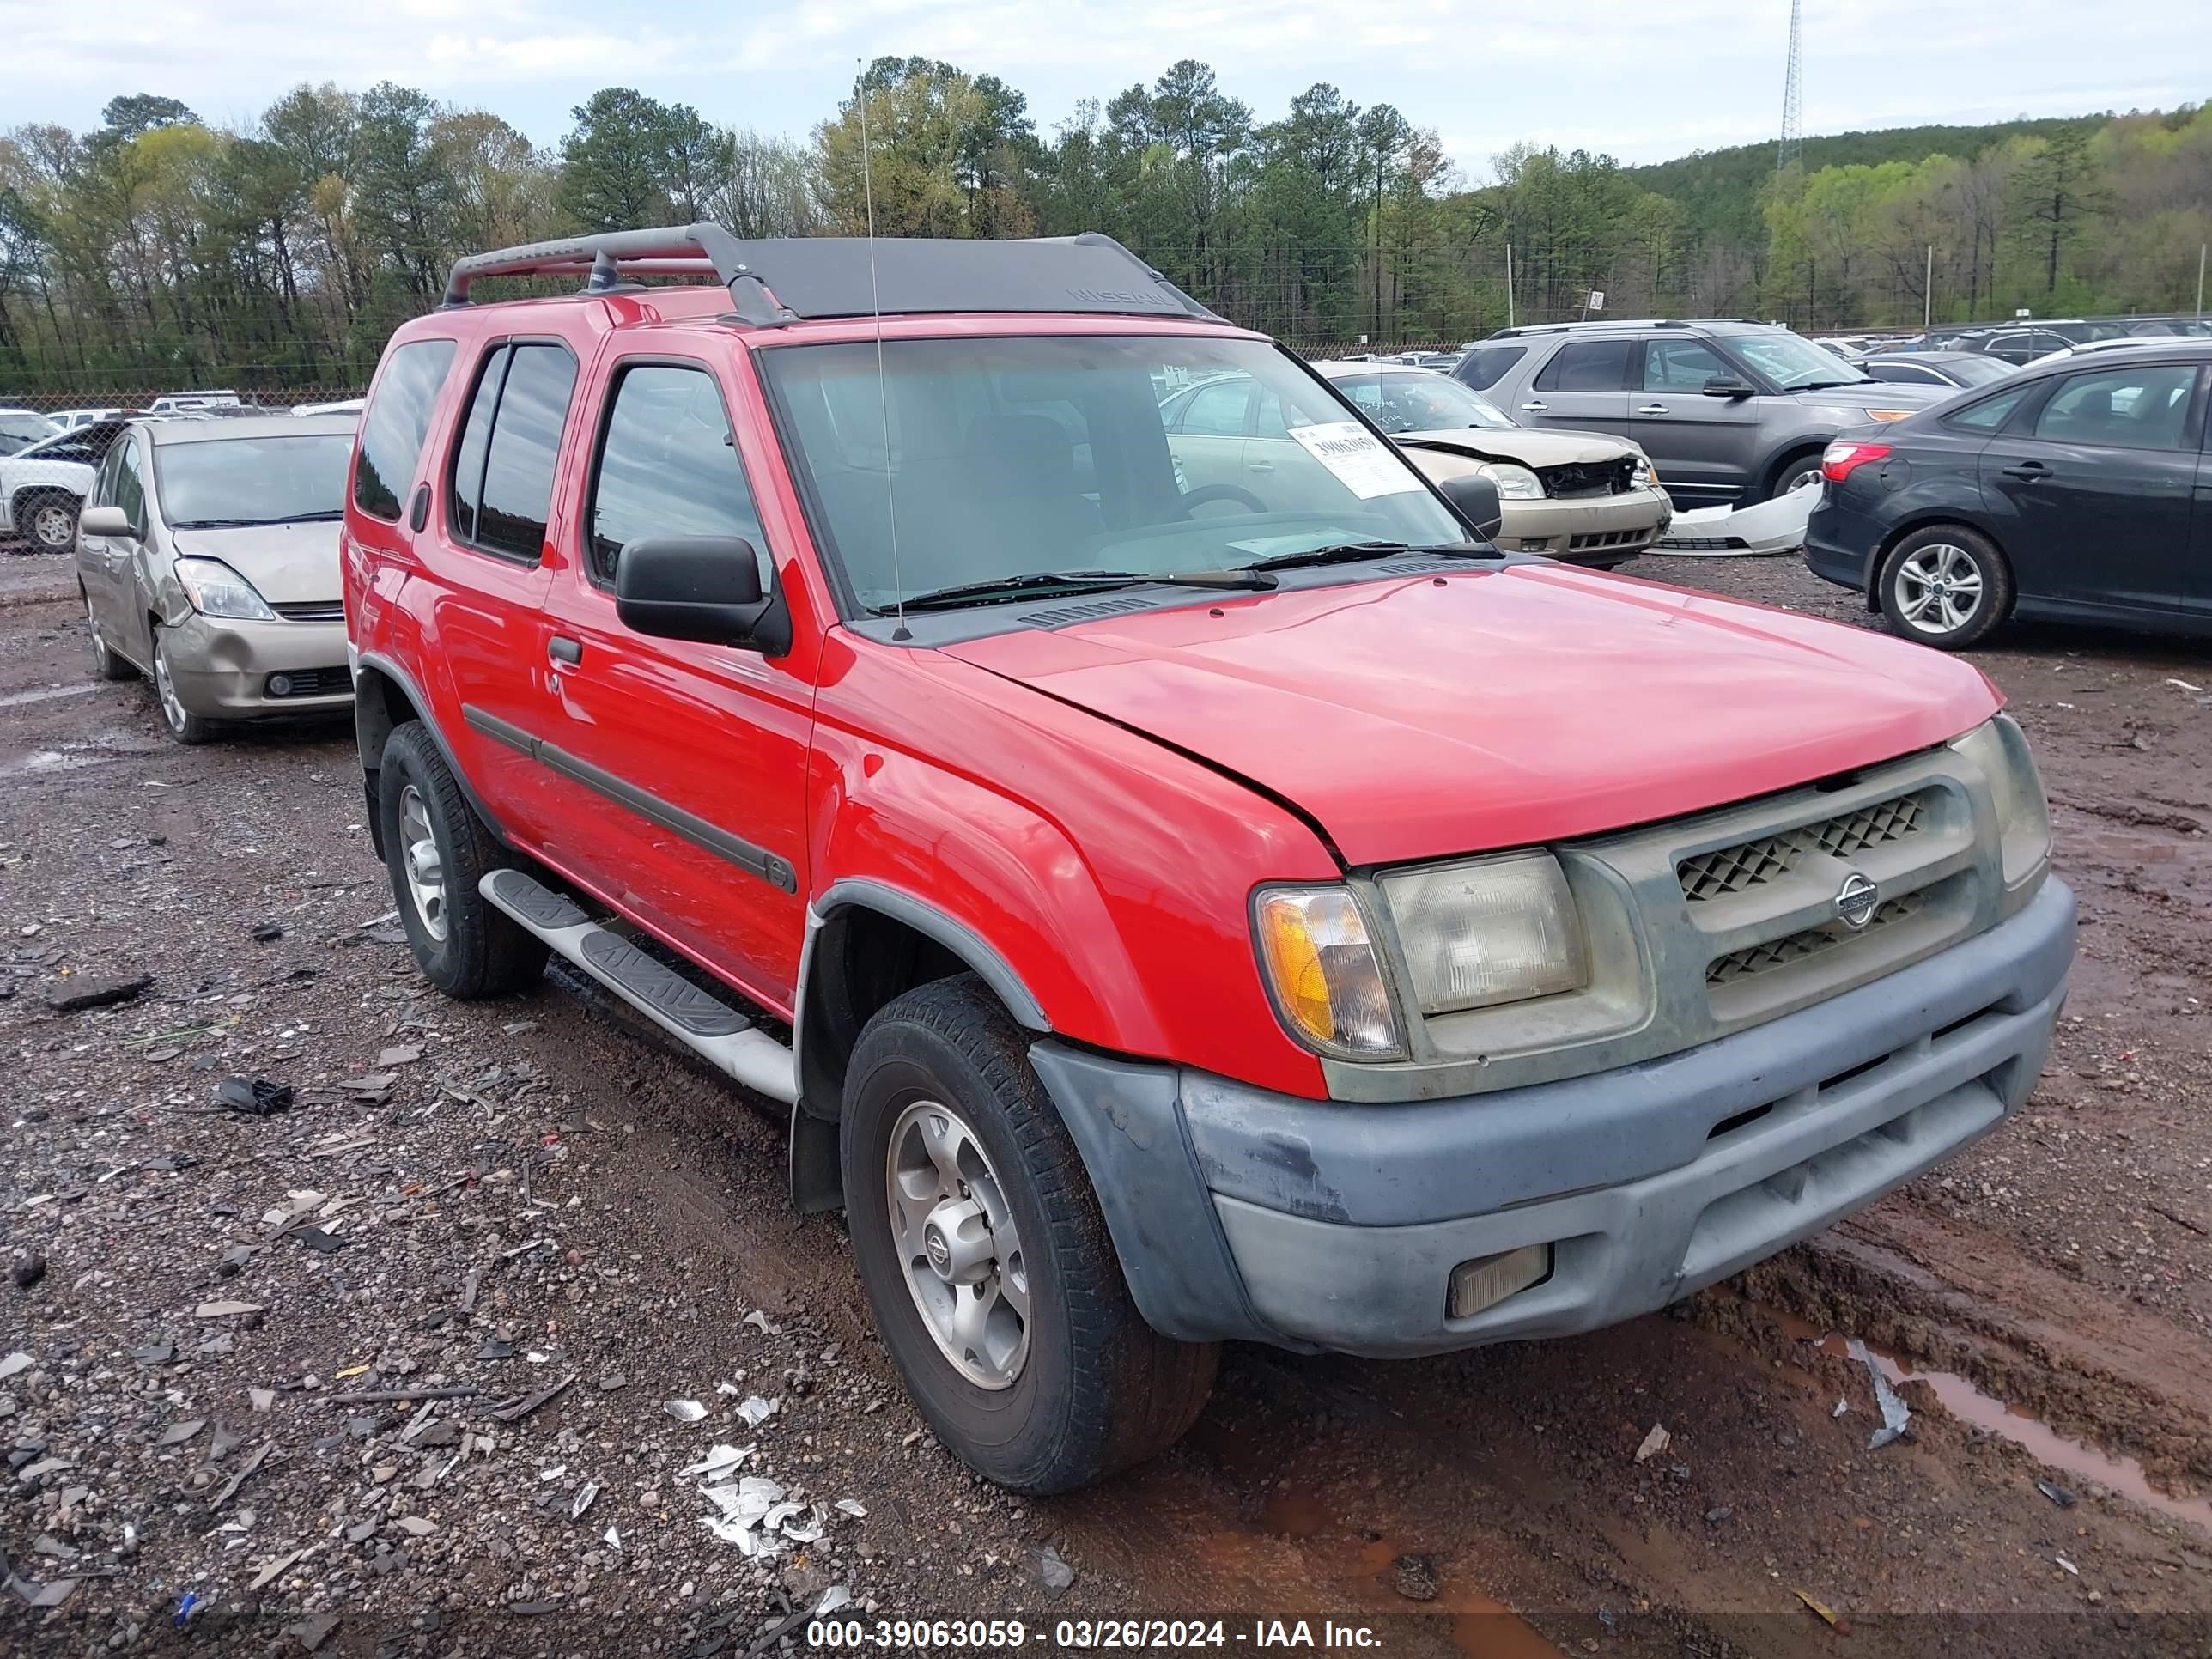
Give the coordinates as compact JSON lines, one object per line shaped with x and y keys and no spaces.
{"x":502,"y":480}
{"x":667,"y":466}
{"x":2134,"y":408}
{"x":396,"y":421}
{"x":1587,"y":365}
{"x":1990,"y":413}
{"x":1485,"y":366}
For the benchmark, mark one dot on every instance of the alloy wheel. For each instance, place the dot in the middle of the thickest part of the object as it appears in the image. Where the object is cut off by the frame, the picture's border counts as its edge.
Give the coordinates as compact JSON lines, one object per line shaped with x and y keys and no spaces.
{"x":1939,"y":588}
{"x":52,"y":527}
{"x":425,"y":865}
{"x":955,"y":1237}
{"x":172,"y":707}
{"x":99,"y":657}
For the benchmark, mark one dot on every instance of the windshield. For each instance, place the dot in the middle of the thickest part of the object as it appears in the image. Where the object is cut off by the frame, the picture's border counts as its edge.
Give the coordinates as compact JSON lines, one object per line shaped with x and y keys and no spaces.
{"x":1013,"y":456}
{"x":1419,"y":402}
{"x":226,"y":481}
{"x":1791,"y":361}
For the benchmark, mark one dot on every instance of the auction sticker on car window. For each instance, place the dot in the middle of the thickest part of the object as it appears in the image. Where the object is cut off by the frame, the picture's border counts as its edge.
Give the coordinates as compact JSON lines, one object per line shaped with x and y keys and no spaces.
{"x":1362,"y":463}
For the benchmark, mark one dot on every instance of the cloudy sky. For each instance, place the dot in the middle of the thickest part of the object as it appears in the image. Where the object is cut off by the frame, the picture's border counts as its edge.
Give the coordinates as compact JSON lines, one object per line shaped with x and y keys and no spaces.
{"x":1642,"y":79}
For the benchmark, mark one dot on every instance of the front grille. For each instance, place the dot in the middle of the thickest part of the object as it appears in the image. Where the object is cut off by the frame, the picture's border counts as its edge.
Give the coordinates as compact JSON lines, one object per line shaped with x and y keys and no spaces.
{"x":312,"y":610}
{"x":1588,"y":477}
{"x":1797,"y":947}
{"x":1605,"y":538}
{"x":1728,"y":870}
{"x":310,"y":682}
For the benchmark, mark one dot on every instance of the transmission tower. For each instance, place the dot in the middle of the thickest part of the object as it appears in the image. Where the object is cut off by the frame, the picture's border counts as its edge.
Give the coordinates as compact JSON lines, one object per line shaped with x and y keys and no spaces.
{"x":1793,"y":125}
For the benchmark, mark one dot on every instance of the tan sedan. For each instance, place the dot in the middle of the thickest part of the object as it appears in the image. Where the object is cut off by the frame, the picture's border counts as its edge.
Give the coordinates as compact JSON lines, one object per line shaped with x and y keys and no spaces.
{"x":1581,"y":496}
{"x":208,"y":557}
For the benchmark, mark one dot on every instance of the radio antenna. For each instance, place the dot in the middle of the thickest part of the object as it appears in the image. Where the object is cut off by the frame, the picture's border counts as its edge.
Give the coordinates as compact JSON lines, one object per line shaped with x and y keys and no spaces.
{"x":882,"y":384}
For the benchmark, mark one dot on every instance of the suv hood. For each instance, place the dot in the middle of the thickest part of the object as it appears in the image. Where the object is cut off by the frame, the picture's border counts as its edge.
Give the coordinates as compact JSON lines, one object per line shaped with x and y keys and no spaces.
{"x":1524,"y":446}
{"x":1418,"y":716}
{"x":1854,"y":400}
{"x":289,"y":563}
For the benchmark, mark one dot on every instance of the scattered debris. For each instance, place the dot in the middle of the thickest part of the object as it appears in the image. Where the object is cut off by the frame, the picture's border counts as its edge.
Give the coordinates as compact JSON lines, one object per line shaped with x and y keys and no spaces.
{"x":1654,"y":1443}
{"x":224,"y":1310}
{"x":683,"y":1411}
{"x":761,"y":1323}
{"x":2057,"y":1493}
{"x":386,"y":1396}
{"x":720,"y":1460}
{"x":1718,"y":1513}
{"x":1059,"y":1577}
{"x":314,"y":1631}
{"x":29,"y":1271}
{"x":586,"y":1496}
{"x":252,"y":1097}
{"x":18,"y":1361}
{"x":315,"y":1238}
{"x":1842,"y":1405}
{"x":1415,"y":1577}
{"x":515,"y":1411}
{"x":756,"y":1411}
{"x":231,"y":1485}
{"x":268,"y":1574}
{"x":853,"y":1507}
{"x":1827,"y":1614}
{"x":403,"y":1056}
{"x":263,"y":1399}
{"x":1896,"y":1415}
{"x":2068,"y":1566}
{"x":416,"y":1525}
{"x":80,"y":991}
{"x":177,"y":1433}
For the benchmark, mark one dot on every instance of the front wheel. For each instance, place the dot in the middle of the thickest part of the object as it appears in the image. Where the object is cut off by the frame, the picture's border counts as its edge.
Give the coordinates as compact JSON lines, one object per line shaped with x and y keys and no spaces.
{"x":1945,"y":586}
{"x":179,"y":722}
{"x":1793,"y":472}
{"x":986,"y":1261}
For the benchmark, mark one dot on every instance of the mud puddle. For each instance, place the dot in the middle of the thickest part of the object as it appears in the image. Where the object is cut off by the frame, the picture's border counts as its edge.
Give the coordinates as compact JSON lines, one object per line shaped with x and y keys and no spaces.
{"x":1967,"y":1402}
{"x":46,"y":694}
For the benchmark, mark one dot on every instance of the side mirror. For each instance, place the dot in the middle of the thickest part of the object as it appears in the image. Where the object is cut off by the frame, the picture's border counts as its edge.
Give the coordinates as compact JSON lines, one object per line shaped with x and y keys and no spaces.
{"x":1727,"y":386}
{"x":706,"y":588}
{"x":1474,"y":498}
{"x":105,"y":521}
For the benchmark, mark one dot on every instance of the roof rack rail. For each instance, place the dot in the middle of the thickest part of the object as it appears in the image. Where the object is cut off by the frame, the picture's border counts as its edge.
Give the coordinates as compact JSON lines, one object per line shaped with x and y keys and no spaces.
{"x":1595,"y":322}
{"x":830,"y":276}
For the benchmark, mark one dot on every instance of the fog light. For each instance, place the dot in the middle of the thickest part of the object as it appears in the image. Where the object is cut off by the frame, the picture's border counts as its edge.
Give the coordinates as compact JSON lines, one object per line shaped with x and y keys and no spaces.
{"x":280,"y":685}
{"x":1489,"y":1279}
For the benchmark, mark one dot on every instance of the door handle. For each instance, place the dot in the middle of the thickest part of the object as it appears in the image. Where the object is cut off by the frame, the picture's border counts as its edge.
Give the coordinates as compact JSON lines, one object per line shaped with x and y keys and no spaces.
{"x":1652,"y":409}
{"x":1259,"y":466}
{"x":563,"y":649}
{"x":2027,"y":471}
{"x":1536,"y":406}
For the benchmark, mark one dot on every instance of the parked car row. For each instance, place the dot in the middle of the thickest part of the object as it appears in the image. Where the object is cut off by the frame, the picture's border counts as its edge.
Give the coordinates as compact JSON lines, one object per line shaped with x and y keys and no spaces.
{"x":2076,"y":490}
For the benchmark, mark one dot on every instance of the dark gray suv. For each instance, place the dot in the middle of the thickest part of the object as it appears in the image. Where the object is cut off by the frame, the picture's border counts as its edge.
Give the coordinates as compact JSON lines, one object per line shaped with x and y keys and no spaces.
{"x":1730,"y":413}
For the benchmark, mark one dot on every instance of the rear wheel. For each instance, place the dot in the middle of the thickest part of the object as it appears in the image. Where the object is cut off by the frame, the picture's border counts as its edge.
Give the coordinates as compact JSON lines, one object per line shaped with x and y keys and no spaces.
{"x":437,"y":849}
{"x":105,"y":663}
{"x":986,"y":1259}
{"x":1945,"y":586}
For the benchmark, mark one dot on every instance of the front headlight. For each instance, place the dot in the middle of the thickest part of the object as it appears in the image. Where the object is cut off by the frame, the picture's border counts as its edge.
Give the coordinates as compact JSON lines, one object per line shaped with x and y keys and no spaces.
{"x":1514,"y":483}
{"x":1999,"y":748}
{"x":1320,"y":969}
{"x":216,"y":590}
{"x":1494,"y":930}
{"x":1645,"y":475}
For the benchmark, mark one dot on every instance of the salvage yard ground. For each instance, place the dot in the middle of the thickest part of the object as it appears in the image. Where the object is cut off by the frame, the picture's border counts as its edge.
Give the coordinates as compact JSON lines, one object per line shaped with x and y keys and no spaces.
{"x":506,"y":1198}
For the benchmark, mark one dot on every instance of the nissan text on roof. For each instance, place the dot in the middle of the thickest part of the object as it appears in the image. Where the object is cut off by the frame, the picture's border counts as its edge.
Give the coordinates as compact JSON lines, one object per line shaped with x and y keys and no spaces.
{"x":1261,"y":910}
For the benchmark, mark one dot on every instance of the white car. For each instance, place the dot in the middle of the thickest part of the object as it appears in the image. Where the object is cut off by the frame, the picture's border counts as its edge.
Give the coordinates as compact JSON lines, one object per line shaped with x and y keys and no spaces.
{"x":69,"y":418}
{"x":345,"y":407}
{"x":42,"y":488}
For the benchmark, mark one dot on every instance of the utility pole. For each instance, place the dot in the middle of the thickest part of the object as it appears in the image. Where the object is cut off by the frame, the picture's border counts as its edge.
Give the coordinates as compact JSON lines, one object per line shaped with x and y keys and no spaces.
{"x":1928,"y":290}
{"x":2200,"y":278}
{"x":1509,"y":285}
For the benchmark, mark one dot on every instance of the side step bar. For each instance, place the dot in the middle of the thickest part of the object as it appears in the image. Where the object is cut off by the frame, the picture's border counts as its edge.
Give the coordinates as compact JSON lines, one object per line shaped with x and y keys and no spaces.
{"x":696,"y":1018}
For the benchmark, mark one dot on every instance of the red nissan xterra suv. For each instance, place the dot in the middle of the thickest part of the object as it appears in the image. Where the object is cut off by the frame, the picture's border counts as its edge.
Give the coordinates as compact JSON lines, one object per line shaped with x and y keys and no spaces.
{"x":1172,"y":911}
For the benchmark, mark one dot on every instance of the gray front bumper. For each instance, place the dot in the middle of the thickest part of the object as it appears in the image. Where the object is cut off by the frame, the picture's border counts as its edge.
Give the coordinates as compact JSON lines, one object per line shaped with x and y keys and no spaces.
{"x":1319,"y":1225}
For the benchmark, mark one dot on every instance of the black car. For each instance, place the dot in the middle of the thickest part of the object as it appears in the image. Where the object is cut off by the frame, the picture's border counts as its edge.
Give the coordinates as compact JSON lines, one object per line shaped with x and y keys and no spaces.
{"x":2077,"y":491}
{"x":1935,"y":368}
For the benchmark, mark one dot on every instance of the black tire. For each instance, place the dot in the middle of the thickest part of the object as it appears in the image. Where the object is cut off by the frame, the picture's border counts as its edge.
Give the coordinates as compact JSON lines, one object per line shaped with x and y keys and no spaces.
{"x":1789,"y":466}
{"x":1099,"y":1389}
{"x":180,"y":722}
{"x":105,"y":662}
{"x":48,"y":519}
{"x":482,"y":952}
{"x":1902,"y":588}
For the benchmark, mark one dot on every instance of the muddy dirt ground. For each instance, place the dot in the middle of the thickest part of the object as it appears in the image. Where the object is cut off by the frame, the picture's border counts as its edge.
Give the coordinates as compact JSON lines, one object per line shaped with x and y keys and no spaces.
{"x":507,"y":1198}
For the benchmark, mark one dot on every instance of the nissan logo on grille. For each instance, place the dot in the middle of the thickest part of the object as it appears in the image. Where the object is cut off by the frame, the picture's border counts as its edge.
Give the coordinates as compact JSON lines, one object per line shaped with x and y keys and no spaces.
{"x":1855,"y":901}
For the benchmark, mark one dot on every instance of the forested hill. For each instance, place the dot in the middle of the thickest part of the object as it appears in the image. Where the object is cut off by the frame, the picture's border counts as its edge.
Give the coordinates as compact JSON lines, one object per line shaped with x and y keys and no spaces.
{"x":1719,"y":190}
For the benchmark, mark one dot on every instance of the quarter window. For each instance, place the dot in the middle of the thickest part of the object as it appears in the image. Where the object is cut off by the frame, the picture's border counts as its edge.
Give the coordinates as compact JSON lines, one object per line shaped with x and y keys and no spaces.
{"x":1218,"y":411}
{"x":129,"y":488}
{"x":1990,"y":413}
{"x":1587,"y":365}
{"x":667,"y":466}
{"x":396,"y":423}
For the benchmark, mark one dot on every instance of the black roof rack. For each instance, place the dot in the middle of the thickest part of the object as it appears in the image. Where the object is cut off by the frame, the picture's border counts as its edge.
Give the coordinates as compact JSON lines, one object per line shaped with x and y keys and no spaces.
{"x":1598,"y":324}
{"x":791,"y":279}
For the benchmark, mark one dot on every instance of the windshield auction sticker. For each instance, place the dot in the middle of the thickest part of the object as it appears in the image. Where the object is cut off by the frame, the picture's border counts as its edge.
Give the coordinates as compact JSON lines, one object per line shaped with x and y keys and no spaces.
{"x":1362,"y":463}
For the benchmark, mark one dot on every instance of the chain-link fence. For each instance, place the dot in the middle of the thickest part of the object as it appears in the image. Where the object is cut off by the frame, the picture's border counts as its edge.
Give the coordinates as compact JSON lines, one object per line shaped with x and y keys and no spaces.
{"x":106,"y":398}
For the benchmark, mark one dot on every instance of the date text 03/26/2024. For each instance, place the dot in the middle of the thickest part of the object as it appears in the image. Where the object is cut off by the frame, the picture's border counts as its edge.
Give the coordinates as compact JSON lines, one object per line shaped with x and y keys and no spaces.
{"x":954,"y":1635}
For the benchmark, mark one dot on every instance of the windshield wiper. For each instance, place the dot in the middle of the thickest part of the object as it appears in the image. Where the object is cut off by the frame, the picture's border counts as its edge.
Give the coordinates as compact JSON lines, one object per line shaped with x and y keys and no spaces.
{"x":1079,"y":581}
{"x":1350,"y":552}
{"x":1822,"y":385}
{"x":253,"y":524}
